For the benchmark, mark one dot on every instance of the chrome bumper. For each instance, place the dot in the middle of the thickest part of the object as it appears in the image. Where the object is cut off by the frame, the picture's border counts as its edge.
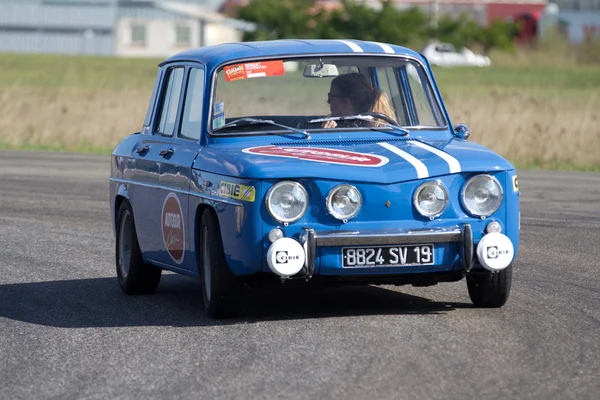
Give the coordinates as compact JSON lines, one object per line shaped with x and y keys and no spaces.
{"x":461,"y":234}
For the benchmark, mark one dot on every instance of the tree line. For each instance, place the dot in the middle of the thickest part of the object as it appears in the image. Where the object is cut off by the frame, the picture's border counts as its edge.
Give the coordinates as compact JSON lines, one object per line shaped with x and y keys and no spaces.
{"x":285,"y":19}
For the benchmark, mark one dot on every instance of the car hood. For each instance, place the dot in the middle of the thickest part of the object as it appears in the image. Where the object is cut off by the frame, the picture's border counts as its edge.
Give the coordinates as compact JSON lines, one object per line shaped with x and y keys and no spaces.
{"x":377,"y":161}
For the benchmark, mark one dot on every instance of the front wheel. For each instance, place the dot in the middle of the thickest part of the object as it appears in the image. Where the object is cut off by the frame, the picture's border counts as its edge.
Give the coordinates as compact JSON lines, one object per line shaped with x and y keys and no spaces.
{"x":222,"y":291}
{"x":490,"y":289}
{"x":135,"y":276}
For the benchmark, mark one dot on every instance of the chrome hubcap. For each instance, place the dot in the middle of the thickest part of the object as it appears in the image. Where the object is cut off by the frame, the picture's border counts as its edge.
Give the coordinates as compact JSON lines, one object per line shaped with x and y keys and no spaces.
{"x":206,"y":263}
{"x":125,"y":239}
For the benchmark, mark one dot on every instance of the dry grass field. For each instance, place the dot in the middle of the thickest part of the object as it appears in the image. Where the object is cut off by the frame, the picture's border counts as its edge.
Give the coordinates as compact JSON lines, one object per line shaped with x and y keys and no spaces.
{"x":535,"y":114}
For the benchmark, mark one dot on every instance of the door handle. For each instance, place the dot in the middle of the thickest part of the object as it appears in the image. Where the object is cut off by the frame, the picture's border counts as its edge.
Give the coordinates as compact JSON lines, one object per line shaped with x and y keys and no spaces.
{"x":142,"y":149}
{"x":165,"y":152}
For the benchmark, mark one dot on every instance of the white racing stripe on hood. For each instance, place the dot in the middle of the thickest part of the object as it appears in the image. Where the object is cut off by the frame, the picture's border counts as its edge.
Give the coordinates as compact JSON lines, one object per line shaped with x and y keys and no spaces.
{"x":452,"y":162}
{"x":422,"y":171}
{"x":355,"y":48}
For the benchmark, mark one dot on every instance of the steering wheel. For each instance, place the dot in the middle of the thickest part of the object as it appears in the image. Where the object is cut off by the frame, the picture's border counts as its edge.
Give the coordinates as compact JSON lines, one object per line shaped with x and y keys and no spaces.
{"x":384,"y":117}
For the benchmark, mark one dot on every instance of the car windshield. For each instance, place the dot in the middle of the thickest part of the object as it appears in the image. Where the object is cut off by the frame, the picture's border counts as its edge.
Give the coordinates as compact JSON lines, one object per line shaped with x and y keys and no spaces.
{"x":309,"y":93}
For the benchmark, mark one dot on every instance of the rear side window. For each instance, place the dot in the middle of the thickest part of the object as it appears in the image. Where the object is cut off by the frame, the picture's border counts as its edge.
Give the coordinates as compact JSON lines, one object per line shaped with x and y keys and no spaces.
{"x":167,"y":113}
{"x":191,"y":123}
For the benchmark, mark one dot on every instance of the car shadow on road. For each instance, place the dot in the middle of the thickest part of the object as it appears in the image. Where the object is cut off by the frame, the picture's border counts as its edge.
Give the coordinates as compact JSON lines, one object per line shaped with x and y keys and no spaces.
{"x":99,"y":302}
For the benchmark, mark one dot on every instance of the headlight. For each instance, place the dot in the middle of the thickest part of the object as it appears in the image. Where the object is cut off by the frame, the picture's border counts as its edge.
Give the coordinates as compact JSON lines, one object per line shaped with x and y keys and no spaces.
{"x":482,"y":195}
{"x":430,"y":199}
{"x":343,"y":202}
{"x":287,"y":201}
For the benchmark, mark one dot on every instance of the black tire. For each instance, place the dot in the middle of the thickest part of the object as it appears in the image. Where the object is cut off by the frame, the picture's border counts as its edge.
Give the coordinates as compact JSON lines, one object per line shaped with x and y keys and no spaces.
{"x":488,"y":289}
{"x":134,"y":275}
{"x":221,"y":290}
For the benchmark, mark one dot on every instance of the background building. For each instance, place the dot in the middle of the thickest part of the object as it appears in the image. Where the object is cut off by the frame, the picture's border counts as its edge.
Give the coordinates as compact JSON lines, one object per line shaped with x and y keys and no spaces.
{"x":114,"y":27}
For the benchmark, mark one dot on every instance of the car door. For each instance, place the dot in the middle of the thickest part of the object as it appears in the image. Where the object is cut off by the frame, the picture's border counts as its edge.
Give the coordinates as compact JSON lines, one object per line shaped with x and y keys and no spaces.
{"x":142,"y":168}
{"x":175,"y":172}
{"x":162,"y":129}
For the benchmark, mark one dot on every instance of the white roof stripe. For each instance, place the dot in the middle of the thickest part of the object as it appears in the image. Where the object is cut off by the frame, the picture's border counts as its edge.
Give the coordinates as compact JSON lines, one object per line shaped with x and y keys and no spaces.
{"x":355,"y":48}
{"x":386,"y":47}
{"x":453,"y":163}
{"x":422,"y":171}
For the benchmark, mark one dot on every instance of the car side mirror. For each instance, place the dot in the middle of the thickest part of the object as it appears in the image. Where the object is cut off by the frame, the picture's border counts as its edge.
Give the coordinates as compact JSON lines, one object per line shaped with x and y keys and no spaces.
{"x":462,"y":131}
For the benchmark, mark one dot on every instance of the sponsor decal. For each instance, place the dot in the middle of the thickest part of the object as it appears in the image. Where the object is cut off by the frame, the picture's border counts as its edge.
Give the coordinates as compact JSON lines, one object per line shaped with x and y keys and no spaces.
{"x":254,"y":70}
{"x":219,"y":115}
{"x":234,"y":72}
{"x":282,"y":257}
{"x":515,"y":182}
{"x":285,"y":257}
{"x":320,"y":154}
{"x":237,"y":191}
{"x":494,"y":252}
{"x":173,"y":228}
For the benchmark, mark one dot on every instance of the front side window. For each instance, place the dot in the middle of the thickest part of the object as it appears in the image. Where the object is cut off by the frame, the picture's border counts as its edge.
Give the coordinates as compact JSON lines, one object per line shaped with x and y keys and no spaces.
{"x":171,"y":93}
{"x":191,"y":122}
{"x":294,"y":92}
{"x":421,"y":95}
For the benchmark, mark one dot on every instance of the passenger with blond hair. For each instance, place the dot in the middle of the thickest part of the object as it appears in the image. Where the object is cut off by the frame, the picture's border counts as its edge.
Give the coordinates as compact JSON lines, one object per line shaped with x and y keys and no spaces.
{"x":353,"y":94}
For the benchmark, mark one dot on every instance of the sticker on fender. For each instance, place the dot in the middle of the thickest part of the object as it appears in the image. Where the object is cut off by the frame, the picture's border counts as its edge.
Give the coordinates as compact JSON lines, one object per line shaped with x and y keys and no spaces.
{"x":237,"y":191}
{"x":254,"y":70}
{"x":319,"y":154}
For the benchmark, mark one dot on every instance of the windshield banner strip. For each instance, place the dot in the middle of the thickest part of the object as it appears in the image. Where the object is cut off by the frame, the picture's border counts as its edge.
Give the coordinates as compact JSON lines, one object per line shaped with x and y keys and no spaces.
{"x":422,"y":171}
{"x":453,"y":163}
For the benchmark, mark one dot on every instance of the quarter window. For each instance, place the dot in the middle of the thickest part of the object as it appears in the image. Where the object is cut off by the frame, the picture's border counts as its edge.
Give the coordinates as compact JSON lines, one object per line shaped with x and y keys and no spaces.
{"x":191,"y":123}
{"x":170,"y":101}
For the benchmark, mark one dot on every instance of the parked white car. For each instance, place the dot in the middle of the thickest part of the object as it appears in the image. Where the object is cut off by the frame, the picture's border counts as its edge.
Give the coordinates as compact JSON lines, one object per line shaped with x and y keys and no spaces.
{"x":445,"y":55}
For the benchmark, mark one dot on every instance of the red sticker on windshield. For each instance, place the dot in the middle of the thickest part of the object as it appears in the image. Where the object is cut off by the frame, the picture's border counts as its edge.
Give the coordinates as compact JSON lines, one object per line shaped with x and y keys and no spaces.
{"x":254,"y":70}
{"x":320,"y":154}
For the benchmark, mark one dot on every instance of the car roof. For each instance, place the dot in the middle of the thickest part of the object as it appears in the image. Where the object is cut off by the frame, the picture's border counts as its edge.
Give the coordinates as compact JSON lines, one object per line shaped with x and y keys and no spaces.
{"x":217,"y":54}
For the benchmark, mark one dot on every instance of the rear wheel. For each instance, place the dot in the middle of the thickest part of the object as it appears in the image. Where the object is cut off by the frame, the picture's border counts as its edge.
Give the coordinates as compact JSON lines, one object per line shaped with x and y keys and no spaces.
{"x":490,"y":289}
{"x":222,"y":291}
{"x":134,"y":275}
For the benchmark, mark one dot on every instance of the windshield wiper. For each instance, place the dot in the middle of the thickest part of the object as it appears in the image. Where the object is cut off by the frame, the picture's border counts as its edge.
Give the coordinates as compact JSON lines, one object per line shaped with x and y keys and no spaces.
{"x":359,"y":117}
{"x":256,"y":121}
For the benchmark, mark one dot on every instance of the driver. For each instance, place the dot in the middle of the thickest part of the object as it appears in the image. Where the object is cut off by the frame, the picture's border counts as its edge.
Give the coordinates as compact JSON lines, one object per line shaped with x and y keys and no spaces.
{"x":352,"y":94}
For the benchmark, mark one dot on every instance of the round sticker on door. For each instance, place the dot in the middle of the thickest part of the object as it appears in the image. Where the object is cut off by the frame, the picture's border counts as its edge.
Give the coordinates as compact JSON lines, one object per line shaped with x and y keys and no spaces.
{"x":173,"y":229}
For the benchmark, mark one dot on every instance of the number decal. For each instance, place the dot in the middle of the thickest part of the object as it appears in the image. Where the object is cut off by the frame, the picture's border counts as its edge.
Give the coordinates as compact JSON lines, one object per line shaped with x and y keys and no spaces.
{"x":371,"y":254}
{"x":379,"y":258}
{"x":426,"y":254}
{"x":360,"y":256}
{"x":351,"y":257}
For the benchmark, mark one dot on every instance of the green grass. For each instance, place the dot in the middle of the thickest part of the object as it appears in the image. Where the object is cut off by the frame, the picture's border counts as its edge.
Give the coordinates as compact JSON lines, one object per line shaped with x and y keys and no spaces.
{"x":546,"y":77}
{"x":558,"y":166}
{"x":49,"y":102}
{"x":51,"y":71}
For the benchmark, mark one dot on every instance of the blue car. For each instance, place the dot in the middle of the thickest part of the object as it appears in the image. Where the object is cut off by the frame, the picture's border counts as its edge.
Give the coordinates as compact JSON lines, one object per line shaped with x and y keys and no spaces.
{"x":308,"y":162}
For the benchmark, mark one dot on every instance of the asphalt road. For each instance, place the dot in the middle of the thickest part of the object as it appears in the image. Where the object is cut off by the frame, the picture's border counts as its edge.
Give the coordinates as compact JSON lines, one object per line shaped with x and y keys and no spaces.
{"x":68,"y":332}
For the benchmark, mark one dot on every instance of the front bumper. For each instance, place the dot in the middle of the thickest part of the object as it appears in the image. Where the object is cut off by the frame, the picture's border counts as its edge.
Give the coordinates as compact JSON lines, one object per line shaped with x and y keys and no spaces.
{"x":460,"y":235}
